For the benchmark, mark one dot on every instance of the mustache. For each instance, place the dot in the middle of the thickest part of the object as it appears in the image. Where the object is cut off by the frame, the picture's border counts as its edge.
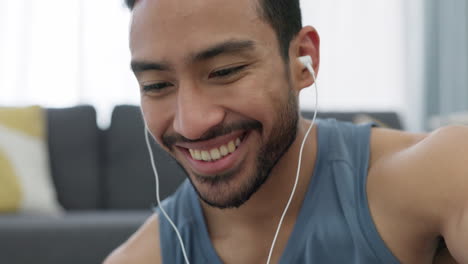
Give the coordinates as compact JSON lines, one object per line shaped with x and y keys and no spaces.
{"x":169,"y":140}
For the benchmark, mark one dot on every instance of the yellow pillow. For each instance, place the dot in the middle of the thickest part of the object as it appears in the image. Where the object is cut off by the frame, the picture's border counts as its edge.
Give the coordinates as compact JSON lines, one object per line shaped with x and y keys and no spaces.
{"x":29,"y":120}
{"x":25,"y":181}
{"x":10,"y":189}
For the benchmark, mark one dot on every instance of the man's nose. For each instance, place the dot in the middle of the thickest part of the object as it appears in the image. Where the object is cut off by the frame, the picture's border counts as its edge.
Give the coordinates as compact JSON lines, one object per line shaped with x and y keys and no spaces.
{"x":196,"y":112}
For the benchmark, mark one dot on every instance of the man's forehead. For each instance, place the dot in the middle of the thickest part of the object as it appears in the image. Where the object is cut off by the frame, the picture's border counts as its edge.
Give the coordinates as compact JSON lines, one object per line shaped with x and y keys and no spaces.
{"x":183,"y":8}
{"x":181,"y":14}
{"x":159,"y":25}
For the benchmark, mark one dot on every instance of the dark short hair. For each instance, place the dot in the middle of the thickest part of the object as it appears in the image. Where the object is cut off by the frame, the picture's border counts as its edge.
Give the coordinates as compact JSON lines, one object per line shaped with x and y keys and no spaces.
{"x":283,"y":15}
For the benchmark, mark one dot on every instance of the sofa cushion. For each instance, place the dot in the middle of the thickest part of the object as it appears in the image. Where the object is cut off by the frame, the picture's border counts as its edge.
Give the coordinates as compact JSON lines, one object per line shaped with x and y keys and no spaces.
{"x":25,"y":172}
{"x":73,"y":238}
{"x":128,"y":170}
{"x":74,"y":156}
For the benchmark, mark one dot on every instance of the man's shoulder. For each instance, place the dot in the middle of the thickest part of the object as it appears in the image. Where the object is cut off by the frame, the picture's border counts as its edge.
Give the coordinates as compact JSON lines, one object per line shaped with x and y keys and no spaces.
{"x":385,"y":143}
{"x":415,"y":184}
{"x":142,"y":247}
{"x":420,"y":152}
{"x":418,"y":172}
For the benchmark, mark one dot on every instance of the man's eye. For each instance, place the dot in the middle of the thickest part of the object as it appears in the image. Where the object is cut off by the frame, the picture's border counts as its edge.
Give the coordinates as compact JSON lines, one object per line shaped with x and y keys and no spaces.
{"x":226,"y":72}
{"x":156,"y":87}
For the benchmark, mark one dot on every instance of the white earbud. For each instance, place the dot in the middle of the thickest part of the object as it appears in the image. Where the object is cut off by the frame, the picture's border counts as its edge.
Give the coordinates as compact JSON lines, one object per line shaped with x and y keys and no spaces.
{"x":307,"y":62}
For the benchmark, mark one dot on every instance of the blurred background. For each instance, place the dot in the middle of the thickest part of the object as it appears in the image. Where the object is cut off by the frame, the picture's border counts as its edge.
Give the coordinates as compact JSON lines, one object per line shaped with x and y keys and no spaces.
{"x":405,"y":56}
{"x":75,"y":179}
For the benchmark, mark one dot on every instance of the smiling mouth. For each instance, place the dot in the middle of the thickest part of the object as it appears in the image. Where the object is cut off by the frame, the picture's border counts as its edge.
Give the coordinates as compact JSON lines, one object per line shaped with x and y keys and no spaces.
{"x":216,"y":153}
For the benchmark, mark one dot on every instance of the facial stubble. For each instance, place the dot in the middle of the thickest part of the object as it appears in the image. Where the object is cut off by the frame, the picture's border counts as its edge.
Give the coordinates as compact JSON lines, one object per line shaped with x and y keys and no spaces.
{"x":283,"y":134}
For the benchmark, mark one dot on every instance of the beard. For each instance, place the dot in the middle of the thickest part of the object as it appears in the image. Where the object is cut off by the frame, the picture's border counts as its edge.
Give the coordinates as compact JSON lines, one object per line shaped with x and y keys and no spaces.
{"x":222,"y":194}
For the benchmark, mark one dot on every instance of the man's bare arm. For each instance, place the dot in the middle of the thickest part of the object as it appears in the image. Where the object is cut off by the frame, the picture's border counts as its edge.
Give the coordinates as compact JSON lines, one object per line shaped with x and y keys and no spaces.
{"x":444,"y":257}
{"x":440,"y":191}
{"x":423,"y":179}
{"x":454,"y":221}
{"x":142,"y":247}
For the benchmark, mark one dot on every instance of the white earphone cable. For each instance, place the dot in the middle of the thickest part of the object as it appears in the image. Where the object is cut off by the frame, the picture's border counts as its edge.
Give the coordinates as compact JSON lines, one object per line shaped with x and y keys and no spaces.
{"x":153,"y":165}
{"x":309,"y":67}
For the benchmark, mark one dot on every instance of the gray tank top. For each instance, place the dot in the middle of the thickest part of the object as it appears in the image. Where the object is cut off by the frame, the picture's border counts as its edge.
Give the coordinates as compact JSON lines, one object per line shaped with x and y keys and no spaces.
{"x":333,"y":226}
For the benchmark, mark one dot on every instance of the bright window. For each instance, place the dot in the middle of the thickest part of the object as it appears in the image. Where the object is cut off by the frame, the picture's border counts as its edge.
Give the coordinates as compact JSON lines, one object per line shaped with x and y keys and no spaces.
{"x":61,"y":53}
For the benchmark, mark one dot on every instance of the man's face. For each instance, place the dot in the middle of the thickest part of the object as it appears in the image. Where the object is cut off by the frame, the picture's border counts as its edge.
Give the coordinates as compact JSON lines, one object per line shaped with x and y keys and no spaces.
{"x":215,"y":92}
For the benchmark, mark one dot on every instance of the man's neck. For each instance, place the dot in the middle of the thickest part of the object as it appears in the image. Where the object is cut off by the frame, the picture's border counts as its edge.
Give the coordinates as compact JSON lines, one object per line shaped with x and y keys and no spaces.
{"x":265,"y":207}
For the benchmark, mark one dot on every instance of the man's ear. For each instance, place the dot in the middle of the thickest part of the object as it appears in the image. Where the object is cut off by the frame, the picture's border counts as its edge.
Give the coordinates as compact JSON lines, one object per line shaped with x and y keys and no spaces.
{"x":307,"y":42}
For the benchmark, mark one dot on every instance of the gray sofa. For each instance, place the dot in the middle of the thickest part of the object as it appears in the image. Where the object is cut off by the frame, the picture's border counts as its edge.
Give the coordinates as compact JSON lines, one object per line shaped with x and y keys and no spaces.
{"x":104,"y":182}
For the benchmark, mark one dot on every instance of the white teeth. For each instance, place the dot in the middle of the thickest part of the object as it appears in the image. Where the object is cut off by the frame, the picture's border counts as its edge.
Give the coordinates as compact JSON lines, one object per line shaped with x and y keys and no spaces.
{"x":231,"y":147}
{"x":224,"y":150}
{"x":215,"y":153}
{"x":205,"y":155}
{"x":196,"y":155}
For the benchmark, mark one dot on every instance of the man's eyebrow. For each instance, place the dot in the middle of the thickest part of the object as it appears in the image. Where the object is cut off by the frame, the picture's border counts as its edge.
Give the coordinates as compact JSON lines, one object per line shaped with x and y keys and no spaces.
{"x":230,"y":46}
{"x":141,"y":66}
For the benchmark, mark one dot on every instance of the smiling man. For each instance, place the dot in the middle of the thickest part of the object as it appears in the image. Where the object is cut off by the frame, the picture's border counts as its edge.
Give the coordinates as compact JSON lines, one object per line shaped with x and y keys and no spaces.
{"x":219,"y":85}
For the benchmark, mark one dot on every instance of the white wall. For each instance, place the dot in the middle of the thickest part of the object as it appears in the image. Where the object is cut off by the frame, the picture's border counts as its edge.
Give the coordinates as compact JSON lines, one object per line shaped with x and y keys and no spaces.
{"x":362,"y":59}
{"x":59,"y":53}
